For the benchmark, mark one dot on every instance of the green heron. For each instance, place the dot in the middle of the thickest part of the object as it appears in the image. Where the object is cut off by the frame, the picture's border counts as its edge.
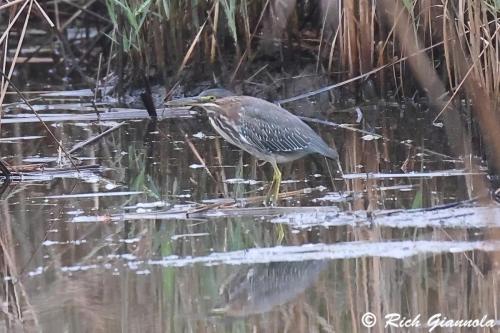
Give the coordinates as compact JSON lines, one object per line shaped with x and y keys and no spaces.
{"x":263,"y":129}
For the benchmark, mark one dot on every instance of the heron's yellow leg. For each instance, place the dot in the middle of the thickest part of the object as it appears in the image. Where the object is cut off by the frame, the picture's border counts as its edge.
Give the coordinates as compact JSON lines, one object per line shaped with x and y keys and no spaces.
{"x":272,"y":194}
{"x":281,"y":233}
{"x":269,"y":192}
{"x":276,"y":192}
{"x":277,"y":183}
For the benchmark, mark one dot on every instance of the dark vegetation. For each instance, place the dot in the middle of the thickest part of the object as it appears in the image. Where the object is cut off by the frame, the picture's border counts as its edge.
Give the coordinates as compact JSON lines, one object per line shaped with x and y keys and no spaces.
{"x":441,"y":54}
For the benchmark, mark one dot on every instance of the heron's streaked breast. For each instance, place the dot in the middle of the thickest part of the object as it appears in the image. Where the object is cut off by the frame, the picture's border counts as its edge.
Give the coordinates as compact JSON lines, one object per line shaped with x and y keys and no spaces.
{"x":225,"y":127}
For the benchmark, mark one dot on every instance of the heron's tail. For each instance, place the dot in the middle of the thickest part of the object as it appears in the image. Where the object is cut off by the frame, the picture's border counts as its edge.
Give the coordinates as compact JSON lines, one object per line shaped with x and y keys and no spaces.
{"x":331,"y":153}
{"x":325,"y":150}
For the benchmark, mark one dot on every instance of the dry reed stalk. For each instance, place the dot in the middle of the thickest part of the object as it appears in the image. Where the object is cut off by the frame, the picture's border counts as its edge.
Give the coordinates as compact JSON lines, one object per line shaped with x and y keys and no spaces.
{"x":4,"y":56}
{"x":44,"y":14}
{"x":246,"y":21}
{"x":12,"y":22}
{"x":354,"y":157}
{"x":196,"y":153}
{"x":446,"y":49}
{"x":189,"y":52}
{"x":476,"y":63}
{"x":376,"y":273}
{"x":350,"y":39}
{"x":214,"y":32}
{"x":476,"y":80}
{"x":334,"y":42}
{"x":322,"y":34}
{"x":366,"y":34}
{"x":12,"y":3}
{"x":222,"y":170}
{"x":14,"y":60}
{"x":57,"y":15}
{"x":350,"y":294}
{"x":371,"y":161}
{"x":247,"y":50}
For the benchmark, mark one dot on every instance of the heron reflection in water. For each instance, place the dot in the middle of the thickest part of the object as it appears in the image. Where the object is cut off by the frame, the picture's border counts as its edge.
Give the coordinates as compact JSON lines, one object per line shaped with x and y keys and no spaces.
{"x":262,"y":287}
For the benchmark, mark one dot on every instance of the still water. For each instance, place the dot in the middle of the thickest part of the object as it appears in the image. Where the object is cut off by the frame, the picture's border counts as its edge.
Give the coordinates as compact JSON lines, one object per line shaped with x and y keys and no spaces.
{"x":163,"y":230}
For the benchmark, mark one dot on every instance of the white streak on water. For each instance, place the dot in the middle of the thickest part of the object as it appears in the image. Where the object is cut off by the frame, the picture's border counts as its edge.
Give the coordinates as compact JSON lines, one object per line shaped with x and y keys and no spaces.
{"x":92,"y":195}
{"x":462,"y":217}
{"x":347,"y":250}
{"x":175,"y":237}
{"x":443,"y":173}
{"x":156,"y":204}
{"x":242,"y":181}
{"x":196,"y":166}
{"x":20,"y":138}
{"x":72,"y":242}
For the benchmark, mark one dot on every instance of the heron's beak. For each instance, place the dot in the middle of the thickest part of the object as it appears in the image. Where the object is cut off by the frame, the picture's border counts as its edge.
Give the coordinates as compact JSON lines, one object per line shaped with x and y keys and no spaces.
{"x":188,"y":101}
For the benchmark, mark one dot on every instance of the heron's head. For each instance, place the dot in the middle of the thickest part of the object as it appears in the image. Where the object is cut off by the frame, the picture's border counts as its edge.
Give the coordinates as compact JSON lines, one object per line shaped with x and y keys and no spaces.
{"x":208,"y":100}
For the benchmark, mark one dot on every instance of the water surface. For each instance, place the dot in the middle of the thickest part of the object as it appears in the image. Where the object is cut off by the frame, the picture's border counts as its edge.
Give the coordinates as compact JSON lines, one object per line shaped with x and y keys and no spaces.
{"x":163,"y":229}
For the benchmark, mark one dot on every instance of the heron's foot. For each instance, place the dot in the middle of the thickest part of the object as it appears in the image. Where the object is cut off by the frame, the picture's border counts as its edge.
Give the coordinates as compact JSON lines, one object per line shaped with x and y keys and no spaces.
{"x":271,"y":198}
{"x":267,"y":200}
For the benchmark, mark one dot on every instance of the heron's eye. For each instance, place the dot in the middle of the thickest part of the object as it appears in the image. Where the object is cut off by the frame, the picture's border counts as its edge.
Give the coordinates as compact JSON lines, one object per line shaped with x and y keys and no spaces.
{"x":209,"y":98}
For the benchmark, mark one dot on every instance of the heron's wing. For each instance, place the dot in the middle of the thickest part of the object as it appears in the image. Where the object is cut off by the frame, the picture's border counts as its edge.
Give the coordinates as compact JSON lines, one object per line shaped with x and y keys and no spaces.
{"x":273,"y":129}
